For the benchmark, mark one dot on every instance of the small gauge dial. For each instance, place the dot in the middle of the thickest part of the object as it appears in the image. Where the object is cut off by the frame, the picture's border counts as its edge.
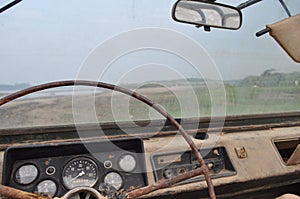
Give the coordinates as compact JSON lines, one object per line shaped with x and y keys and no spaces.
{"x":26,"y":174}
{"x":127,"y":163}
{"x":114,"y":179}
{"x":47,"y":187}
{"x":80,"y":172}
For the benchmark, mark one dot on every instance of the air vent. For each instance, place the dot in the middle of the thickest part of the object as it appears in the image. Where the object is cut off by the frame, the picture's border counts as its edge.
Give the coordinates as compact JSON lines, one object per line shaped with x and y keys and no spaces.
{"x":289,"y":150}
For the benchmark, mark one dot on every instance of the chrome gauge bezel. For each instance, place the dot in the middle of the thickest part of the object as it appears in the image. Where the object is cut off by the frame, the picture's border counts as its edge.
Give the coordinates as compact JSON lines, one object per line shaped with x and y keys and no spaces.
{"x":122,"y":167}
{"x":72,"y":161}
{"x":44,"y":181}
{"x":22,"y":166}
{"x":120,"y":185}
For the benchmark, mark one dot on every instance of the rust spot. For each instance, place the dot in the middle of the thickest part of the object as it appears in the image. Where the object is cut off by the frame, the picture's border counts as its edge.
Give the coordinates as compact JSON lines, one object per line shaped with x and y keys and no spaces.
{"x":18,"y":194}
{"x":241,"y":152}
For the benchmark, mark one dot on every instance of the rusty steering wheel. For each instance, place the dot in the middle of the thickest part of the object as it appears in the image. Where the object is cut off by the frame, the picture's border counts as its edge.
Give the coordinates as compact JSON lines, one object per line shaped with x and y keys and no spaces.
{"x":17,"y":194}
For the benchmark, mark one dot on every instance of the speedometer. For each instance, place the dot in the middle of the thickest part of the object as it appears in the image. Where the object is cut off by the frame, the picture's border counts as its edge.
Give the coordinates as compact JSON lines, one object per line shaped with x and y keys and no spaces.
{"x":80,"y":172}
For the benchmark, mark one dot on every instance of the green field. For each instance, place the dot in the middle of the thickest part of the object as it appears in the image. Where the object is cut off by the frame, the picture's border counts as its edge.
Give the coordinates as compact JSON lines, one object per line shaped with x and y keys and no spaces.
{"x":251,"y":100}
{"x":239,"y":100}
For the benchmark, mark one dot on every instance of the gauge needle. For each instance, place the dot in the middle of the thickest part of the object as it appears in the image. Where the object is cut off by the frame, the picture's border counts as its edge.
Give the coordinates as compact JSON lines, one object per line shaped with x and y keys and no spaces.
{"x":79,"y":175}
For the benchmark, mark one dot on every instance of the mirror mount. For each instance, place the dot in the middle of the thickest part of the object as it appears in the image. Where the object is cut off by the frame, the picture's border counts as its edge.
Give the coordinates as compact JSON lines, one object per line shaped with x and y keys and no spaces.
{"x":247,"y":4}
{"x":8,"y":6}
{"x":207,"y":28}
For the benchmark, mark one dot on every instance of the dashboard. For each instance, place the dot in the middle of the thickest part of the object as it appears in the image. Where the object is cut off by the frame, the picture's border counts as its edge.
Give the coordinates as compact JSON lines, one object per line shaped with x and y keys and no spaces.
{"x":56,"y":168}
{"x":118,"y":164}
{"x":249,"y":161}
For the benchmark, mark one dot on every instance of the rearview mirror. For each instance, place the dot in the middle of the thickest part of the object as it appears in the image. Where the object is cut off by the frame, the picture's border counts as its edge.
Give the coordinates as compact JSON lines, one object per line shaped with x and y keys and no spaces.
{"x":207,"y":14}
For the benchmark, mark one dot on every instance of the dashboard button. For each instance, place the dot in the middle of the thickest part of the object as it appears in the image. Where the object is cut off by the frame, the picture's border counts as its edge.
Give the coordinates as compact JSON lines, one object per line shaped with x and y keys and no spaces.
{"x":50,"y":170}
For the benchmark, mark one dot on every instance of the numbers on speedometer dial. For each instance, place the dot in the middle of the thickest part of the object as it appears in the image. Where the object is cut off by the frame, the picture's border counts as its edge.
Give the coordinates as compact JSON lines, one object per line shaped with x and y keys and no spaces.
{"x":80,"y":172}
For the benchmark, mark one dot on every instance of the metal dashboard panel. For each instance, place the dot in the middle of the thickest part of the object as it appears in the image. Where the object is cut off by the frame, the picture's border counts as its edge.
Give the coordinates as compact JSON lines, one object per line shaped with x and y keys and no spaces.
{"x":58,"y":155}
{"x":168,"y":165}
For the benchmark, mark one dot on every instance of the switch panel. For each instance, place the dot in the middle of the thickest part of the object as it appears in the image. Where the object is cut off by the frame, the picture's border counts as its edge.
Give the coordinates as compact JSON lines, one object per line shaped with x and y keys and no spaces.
{"x":169,"y":165}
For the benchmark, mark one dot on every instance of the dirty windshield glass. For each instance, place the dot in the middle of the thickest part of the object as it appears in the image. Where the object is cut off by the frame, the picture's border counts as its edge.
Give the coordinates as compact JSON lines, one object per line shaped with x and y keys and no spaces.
{"x":137,"y":45}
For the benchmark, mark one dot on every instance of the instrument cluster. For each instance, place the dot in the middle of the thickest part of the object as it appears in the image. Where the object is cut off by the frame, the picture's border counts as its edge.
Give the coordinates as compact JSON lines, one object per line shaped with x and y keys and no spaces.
{"x":56,"y":169}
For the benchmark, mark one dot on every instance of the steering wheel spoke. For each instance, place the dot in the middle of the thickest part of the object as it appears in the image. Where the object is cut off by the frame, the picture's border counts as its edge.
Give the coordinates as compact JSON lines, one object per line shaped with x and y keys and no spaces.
{"x":82,"y":193}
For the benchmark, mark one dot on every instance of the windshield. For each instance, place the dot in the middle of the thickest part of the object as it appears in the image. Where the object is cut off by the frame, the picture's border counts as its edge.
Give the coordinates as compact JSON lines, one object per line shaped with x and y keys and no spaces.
{"x":137,"y":45}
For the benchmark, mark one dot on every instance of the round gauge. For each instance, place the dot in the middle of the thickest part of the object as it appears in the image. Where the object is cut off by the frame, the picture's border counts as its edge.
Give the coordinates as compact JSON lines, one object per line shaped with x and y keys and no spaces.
{"x":127,"y":163}
{"x":80,"y":172}
{"x":47,"y":187}
{"x":26,"y":174}
{"x":114,"y":179}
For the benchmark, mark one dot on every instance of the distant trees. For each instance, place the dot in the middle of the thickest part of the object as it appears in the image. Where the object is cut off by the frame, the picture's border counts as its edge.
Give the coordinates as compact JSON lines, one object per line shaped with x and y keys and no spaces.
{"x":270,"y":78}
{"x":267,"y":72}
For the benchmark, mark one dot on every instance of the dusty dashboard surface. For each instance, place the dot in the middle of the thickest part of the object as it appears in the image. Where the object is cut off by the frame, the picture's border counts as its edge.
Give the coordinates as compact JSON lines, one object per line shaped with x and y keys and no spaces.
{"x":241,"y":162}
{"x":255,"y":164}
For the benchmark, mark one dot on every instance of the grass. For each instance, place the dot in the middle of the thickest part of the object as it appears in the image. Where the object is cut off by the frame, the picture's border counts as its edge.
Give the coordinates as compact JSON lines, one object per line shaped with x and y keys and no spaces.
{"x":239,"y":100}
{"x":252,"y":100}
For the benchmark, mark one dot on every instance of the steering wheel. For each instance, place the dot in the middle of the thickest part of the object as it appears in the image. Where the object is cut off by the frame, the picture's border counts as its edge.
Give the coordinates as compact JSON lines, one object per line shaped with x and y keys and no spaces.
{"x":18,"y":194}
{"x":87,"y":190}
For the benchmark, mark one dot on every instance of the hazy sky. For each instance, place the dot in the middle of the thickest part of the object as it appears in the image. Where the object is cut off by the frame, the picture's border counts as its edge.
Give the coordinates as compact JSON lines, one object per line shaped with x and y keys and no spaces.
{"x":48,"y":40}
